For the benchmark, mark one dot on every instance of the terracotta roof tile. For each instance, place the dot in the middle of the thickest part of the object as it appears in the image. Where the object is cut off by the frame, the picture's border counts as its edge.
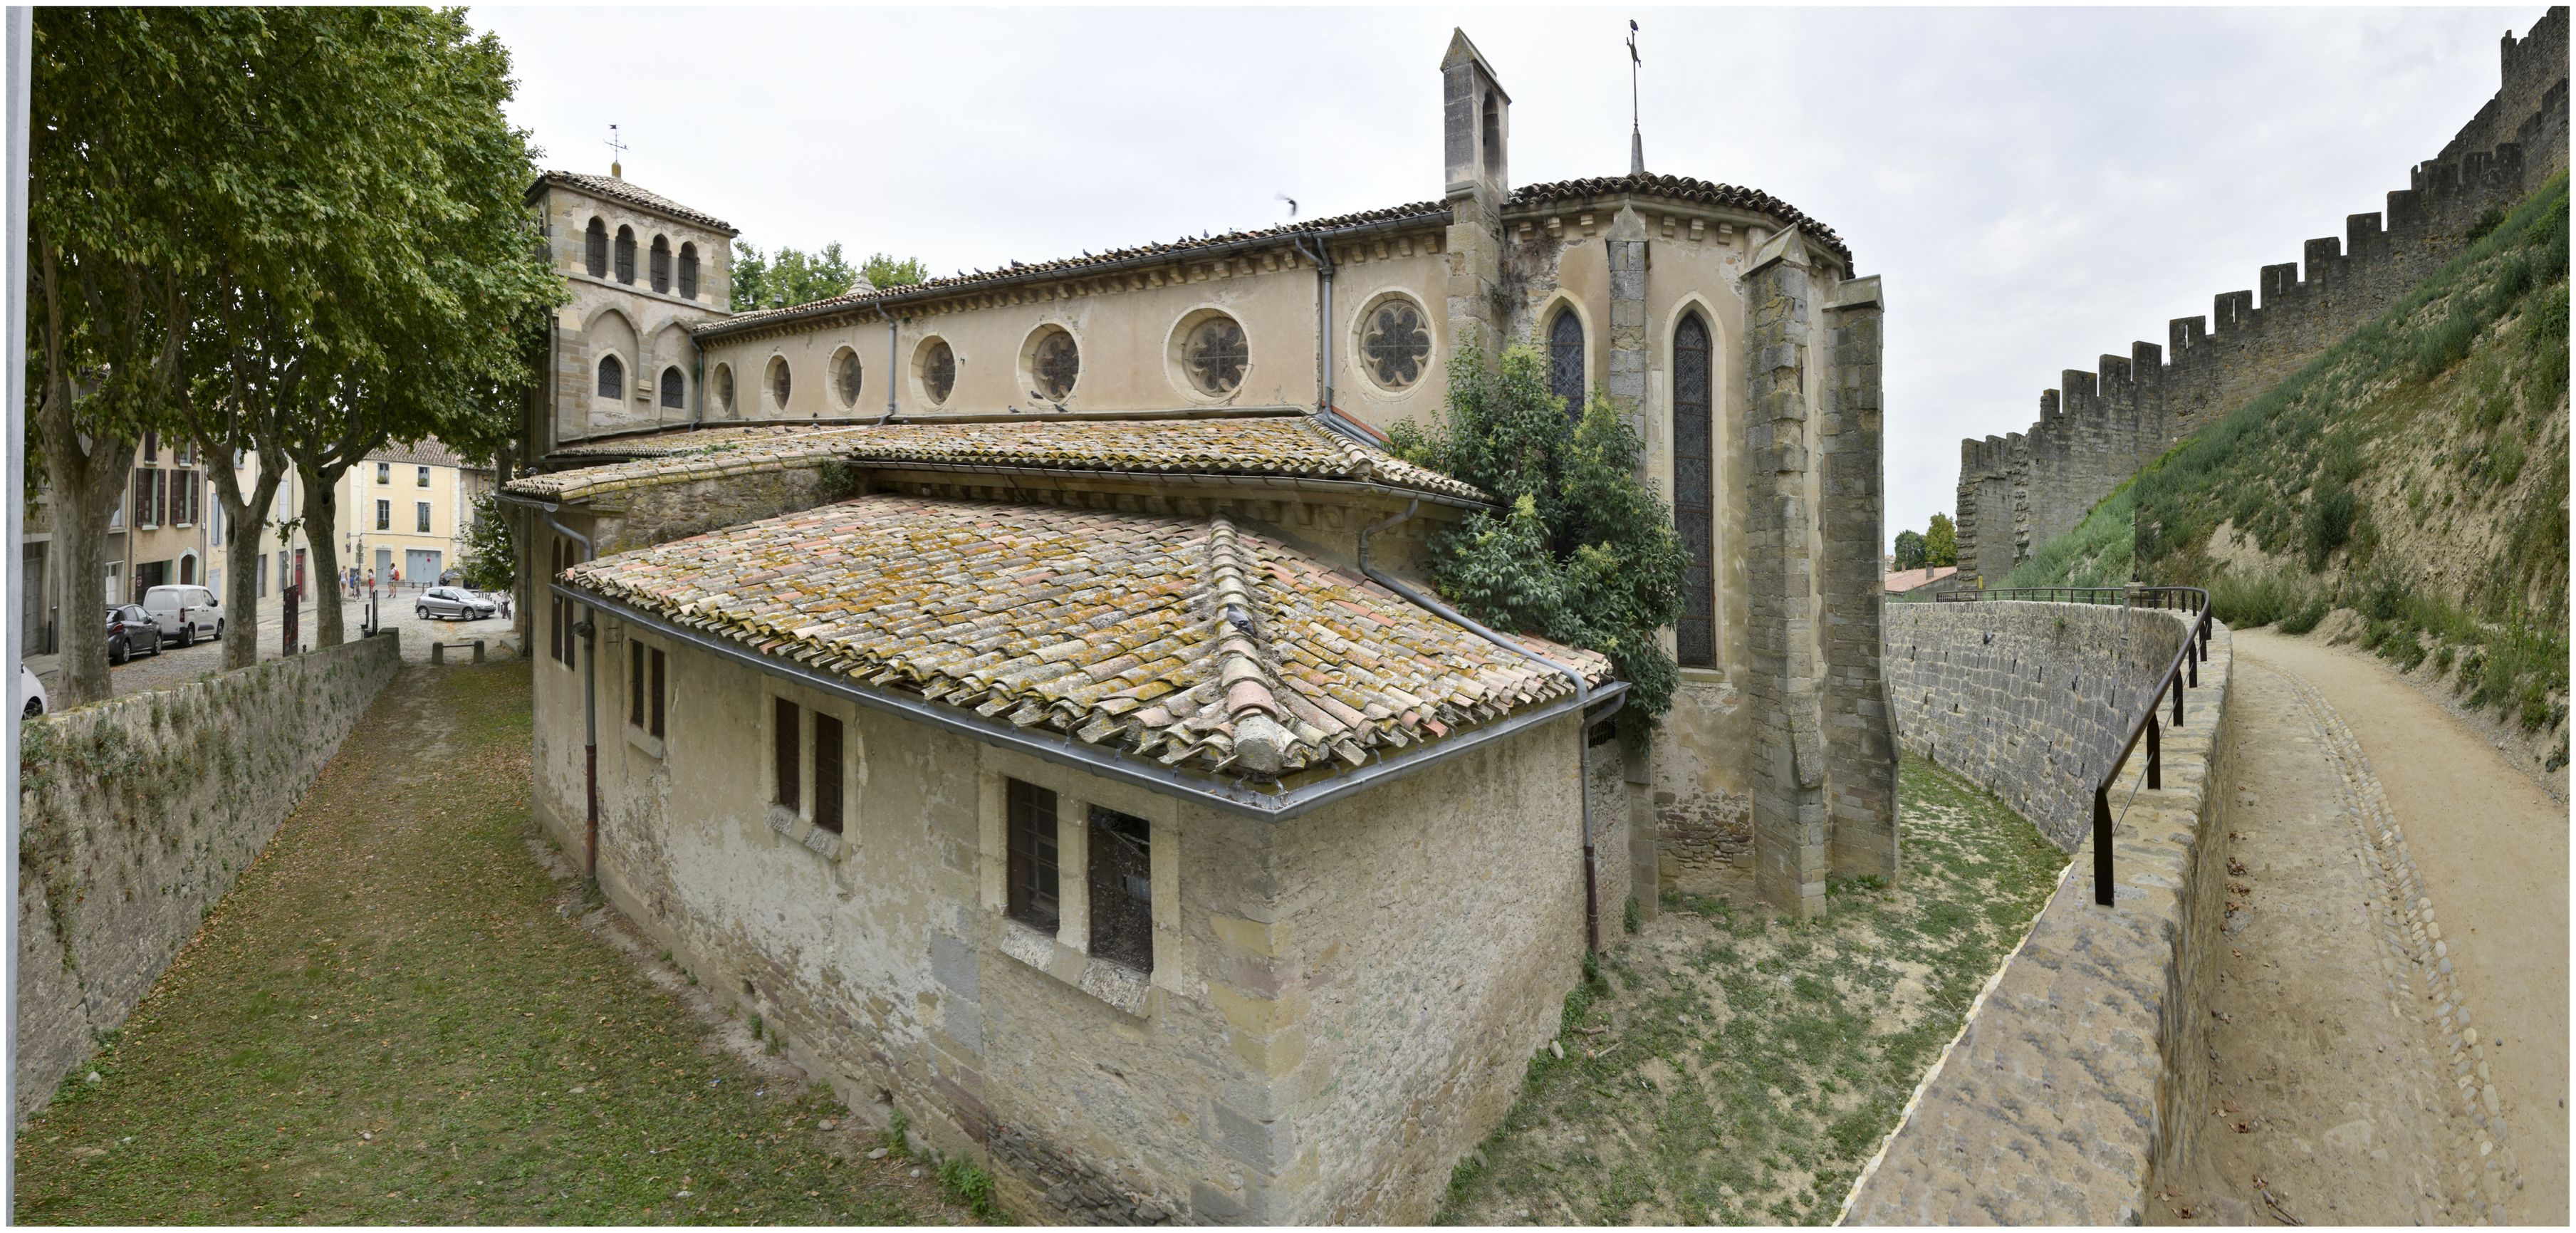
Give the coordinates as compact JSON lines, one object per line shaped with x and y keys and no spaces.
{"x":616,"y":189}
{"x":1186,"y":642}
{"x":1684,"y":188}
{"x":1286,"y":446}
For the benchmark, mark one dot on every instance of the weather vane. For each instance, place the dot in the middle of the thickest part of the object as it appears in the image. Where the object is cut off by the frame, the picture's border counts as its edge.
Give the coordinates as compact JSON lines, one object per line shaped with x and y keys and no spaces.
{"x":618,"y":169}
{"x":1636,"y":135}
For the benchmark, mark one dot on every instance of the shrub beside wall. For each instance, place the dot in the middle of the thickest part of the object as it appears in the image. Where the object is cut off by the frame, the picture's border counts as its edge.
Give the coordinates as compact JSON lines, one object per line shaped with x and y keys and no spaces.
{"x":137,"y":814}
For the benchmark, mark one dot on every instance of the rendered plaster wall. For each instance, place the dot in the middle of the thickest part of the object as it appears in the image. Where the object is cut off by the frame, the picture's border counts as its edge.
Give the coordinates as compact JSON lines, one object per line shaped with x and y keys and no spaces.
{"x":1222,"y":1086}
{"x":647,"y":330}
{"x":2031,"y":700}
{"x":2082,"y":1070}
{"x":137,"y":814}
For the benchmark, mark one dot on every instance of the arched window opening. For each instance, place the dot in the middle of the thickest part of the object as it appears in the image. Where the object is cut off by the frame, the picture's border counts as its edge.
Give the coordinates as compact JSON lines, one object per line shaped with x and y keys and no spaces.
{"x":1565,"y":361}
{"x":688,"y":271}
{"x":672,"y":391}
{"x":626,"y":254}
{"x":1493,"y":132}
{"x":612,"y":377}
{"x":595,"y":244}
{"x":661,"y":266}
{"x":1695,"y":633}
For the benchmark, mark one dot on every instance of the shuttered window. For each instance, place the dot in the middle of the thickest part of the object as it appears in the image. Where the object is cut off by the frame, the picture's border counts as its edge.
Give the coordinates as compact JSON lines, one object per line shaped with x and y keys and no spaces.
{"x":1032,"y":872}
{"x":827,"y":773}
{"x":625,"y":255}
{"x":1695,"y":633}
{"x":661,"y":265}
{"x":1122,"y":889}
{"x":786,"y":732}
{"x":688,"y":271}
{"x":595,"y":242}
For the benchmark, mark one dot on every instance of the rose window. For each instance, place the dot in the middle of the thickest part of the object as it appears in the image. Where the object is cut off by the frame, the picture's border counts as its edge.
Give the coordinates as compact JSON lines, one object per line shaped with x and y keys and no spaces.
{"x":1397,"y":345}
{"x":1217,"y":355}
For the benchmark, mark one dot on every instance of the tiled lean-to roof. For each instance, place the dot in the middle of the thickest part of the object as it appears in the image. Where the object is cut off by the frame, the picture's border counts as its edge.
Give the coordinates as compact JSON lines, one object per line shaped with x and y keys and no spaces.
{"x":616,"y":189}
{"x":1193,"y":643}
{"x":1683,"y":188}
{"x":1284,"y":446}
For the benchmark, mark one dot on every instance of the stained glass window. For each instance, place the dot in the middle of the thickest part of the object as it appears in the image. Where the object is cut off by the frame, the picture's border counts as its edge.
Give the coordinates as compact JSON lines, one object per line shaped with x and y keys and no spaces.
{"x":778,"y":381}
{"x":1695,"y":634}
{"x":1397,"y":346}
{"x":673,"y":387}
{"x":1565,"y":361}
{"x":1217,"y":355}
{"x":612,"y":377}
{"x":938,"y":371}
{"x":846,"y":375}
{"x":1057,"y":364}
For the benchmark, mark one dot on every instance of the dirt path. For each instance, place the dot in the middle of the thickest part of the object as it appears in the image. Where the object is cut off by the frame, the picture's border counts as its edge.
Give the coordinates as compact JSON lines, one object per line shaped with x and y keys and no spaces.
{"x":389,"y":1021}
{"x":2359,"y":1078}
{"x":2492,"y":849}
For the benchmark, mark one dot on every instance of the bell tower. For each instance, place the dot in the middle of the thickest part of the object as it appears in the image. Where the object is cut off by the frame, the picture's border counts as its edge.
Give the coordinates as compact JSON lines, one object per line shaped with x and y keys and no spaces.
{"x":1476,"y":124}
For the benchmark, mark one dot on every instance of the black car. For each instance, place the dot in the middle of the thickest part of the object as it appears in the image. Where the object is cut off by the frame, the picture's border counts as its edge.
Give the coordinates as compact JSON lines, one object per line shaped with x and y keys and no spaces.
{"x":130,"y":632}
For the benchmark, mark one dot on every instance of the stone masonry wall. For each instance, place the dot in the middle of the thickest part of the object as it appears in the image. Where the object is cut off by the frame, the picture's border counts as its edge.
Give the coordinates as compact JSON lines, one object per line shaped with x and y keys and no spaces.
{"x":2080,"y":1073}
{"x":2030,"y":700}
{"x":136,"y":815}
{"x":2098,"y":428}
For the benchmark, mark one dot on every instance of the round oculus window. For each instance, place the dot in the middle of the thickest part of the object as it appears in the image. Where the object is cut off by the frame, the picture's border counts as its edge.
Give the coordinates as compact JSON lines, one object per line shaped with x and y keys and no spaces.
{"x":778,"y":381}
{"x":938,"y":371}
{"x":1056,"y":363}
{"x":1216,"y":355}
{"x":845,"y":376}
{"x":724,"y":387}
{"x":1396,"y":346}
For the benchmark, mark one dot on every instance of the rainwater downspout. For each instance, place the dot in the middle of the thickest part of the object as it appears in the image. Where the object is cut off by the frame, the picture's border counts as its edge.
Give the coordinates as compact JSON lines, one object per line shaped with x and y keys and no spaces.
{"x":1323,"y":259}
{"x":1582,"y":694}
{"x":890,"y":361}
{"x":589,"y":716}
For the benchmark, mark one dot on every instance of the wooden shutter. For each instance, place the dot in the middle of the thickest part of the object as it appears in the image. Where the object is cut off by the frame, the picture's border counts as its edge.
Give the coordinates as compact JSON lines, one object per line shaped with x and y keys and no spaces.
{"x":827,"y":772}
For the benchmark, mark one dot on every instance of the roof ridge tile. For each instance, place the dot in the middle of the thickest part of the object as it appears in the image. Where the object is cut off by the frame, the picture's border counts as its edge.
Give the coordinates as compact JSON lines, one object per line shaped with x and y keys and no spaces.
{"x":1251,"y":697}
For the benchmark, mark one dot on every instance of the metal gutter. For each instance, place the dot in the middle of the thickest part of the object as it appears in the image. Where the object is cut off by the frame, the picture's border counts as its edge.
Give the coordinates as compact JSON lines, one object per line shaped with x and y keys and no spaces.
{"x":1063,"y":750}
{"x":1296,"y":483}
{"x":1038,"y":274}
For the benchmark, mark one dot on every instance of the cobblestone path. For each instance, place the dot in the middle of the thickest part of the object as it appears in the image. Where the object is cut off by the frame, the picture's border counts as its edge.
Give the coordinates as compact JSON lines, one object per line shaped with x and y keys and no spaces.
{"x":2349,"y":1083}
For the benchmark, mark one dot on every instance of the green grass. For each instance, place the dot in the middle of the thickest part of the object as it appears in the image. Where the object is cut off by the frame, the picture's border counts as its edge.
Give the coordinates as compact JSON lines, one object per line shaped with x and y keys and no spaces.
{"x":1730,"y":1067}
{"x":2097,"y":553}
{"x":387,"y":1023}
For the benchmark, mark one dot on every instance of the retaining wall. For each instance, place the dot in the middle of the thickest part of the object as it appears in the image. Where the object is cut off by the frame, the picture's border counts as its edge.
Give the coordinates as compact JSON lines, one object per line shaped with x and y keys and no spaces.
{"x":137,"y":814}
{"x":2079,"y":1073}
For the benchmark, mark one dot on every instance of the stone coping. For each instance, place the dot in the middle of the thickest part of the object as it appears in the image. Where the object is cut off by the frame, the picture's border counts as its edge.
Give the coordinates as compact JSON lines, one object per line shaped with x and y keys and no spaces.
{"x":2070,"y":1085}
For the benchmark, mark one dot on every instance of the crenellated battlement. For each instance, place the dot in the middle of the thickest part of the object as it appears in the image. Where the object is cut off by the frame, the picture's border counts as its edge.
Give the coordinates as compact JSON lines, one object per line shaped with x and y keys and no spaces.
{"x":2097,"y":428}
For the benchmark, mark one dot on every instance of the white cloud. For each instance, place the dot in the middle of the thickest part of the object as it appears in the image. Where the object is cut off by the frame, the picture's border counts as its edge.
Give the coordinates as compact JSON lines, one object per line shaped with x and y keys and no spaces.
{"x":2038,"y":187}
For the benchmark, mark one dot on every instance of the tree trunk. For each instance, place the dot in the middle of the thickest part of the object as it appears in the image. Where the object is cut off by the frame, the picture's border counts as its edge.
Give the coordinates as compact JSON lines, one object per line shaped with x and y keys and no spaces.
{"x":88,"y":484}
{"x":322,"y":535}
{"x":241,"y":556}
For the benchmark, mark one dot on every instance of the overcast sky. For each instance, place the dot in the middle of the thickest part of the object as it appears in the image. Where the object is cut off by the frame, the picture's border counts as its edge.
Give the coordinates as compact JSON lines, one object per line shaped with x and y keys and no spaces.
{"x":2037,"y":186}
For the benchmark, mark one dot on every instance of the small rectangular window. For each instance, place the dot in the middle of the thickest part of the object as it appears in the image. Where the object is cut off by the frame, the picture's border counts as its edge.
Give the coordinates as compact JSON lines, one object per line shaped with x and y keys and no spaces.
{"x":787,"y":729}
{"x":384,"y":473}
{"x":659,"y":695}
{"x":384,"y":515}
{"x":424,"y":478}
{"x":827,"y":772}
{"x":634,"y":683}
{"x":1122,"y":889}
{"x":420,"y":514}
{"x":1032,"y":871}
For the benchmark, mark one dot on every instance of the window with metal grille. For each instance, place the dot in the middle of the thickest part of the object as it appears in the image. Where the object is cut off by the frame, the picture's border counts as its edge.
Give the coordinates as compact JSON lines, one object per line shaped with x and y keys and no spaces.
{"x":1695,"y":633}
{"x":827,"y":773}
{"x":1032,"y":873}
{"x":612,"y":377}
{"x":688,"y":271}
{"x":1565,"y":361}
{"x":672,"y":387}
{"x":1122,"y":889}
{"x":595,"y":244}
{"x":626,"y":254}
{"x":661,"y":265}
{"x":786,"y":732}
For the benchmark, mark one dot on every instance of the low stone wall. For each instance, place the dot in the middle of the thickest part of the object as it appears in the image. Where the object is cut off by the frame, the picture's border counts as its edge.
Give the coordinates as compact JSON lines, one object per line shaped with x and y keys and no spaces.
{"x":2078,"y":1075}
{"x":137,"y":814}
{"x":2030,"y":700}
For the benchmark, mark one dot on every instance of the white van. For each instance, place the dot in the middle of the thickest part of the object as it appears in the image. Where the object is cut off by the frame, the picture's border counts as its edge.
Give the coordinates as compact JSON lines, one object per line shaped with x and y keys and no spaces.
{"x":184,"y":613}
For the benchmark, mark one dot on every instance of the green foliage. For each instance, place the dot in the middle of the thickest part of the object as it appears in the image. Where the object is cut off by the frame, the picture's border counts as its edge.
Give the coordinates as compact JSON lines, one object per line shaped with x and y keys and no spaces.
{"x":1941,"y":541}
{"x":1585,"y":553}
{"x":2098,"y":552}
{"x":2251,"y":602}
{"x":1630,"y":918}
{"x":792,"y":276}
{"x":2328,"y":522}
{"x":2306,"y":616}
{"x":898,"y":1137}
{"x":969,"y":1186}
{"x":491,"y":556}
{"x":1909,"y":550}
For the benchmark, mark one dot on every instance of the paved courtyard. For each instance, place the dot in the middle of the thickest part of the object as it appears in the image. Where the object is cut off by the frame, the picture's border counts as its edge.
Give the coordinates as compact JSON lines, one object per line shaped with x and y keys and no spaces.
{"x":177,"y":665}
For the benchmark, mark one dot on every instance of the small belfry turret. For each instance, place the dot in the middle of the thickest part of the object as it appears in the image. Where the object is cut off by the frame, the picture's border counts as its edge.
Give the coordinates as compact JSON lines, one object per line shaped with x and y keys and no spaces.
{"x":1476,"y":124}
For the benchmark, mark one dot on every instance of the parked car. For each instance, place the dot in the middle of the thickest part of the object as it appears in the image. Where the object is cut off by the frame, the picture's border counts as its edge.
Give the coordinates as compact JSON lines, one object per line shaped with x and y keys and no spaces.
{"x":33,"y":691}
{"x":456,"y":602}
{"x":130,"y":632}
{"x":185,"y":612}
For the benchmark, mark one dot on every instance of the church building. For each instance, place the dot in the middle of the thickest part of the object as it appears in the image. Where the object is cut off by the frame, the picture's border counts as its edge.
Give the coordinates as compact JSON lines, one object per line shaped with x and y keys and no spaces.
{"x":1024,"y":689}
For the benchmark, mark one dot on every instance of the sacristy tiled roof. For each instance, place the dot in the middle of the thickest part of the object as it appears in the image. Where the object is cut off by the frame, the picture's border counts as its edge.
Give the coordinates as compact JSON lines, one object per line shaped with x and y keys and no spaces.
{"x":616,"y":189}
{"x":1189,"y":642}
{"x":1684,"y":188}
{"x":1289,"y":446}
{"x":1088,"y":262}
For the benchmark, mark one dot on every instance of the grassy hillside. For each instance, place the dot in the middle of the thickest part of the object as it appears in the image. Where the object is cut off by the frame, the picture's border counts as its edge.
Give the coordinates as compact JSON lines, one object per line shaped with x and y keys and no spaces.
{"x":2416,"y":473}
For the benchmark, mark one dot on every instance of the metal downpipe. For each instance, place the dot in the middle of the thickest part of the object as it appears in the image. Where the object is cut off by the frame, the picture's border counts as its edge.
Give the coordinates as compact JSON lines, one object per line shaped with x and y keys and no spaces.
{"x":589,"y":633}
{"x":1582,"y":695}
{"x":1323,"y":258}
{"x":890,"y":363}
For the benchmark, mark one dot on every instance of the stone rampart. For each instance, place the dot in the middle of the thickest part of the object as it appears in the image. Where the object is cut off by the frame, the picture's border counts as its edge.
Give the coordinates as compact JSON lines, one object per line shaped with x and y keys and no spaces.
{"x":2098,"y":428}
{"x":136,"y":815}
{"x":2079,"y":1074}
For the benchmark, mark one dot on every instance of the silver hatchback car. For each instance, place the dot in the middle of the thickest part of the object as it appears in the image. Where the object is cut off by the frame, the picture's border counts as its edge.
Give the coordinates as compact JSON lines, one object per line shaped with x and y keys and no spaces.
{"x":454,"y":603}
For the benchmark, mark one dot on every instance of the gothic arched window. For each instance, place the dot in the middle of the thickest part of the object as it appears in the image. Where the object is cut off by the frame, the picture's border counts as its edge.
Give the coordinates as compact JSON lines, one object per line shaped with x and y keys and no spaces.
{"x":1565,"y":361}
{"x":612,"y":377}
{"x":688,"y":271}
{"x":595,"y":242}
{"x":661,"y":265}
{"x":1695,"y":633}
{"x":672,"y":387}
{"x":625,"y":254}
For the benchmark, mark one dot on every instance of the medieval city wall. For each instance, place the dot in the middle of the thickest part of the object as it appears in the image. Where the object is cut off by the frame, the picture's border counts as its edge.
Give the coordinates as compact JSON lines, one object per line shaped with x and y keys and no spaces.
{"x":137,"y":814}
{"x":2100,"y":427}
{"x":2080,"y":1074}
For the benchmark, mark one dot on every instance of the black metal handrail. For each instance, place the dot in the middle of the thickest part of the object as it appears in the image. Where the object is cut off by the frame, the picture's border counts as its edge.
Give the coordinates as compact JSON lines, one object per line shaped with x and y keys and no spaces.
{"x":2180,"y":675}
